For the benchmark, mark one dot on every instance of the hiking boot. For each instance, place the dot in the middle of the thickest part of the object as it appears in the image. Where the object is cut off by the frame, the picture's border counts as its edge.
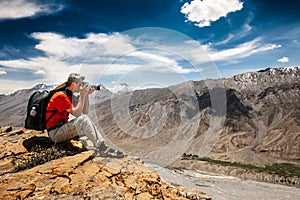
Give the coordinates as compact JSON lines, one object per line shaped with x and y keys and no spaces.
{"x":102,"y":147}
{"x":109,"y":153}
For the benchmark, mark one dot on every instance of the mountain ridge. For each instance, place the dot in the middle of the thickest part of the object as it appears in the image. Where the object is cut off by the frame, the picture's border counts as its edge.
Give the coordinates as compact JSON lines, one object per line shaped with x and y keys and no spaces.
{"x":255,"y":115}
{"x":260,"y":124}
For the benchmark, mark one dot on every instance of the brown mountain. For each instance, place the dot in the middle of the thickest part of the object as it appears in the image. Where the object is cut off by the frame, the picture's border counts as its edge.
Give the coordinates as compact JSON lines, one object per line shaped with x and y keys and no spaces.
{"x":13,"y":106}
{"x":249,"y":118}
{"x":268,"y":129}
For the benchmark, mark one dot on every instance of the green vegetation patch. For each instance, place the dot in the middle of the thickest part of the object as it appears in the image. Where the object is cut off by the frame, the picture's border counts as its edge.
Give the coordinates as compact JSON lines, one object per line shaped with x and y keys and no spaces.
{"x":281,"y":169}
{"x":39,"y":156}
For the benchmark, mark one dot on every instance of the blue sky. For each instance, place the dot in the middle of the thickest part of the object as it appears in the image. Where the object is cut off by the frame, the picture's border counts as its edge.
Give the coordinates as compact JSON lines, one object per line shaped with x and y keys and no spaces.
{"x":149,"y":43}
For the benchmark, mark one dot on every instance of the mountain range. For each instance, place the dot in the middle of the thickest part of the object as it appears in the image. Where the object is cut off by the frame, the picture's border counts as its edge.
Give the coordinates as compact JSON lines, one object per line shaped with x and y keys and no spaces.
{"x":13,"y":106}
{"x":251,"y":118}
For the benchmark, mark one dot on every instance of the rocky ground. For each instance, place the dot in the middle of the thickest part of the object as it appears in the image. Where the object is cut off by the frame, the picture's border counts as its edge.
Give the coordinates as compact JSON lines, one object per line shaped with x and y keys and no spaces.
{"x":260,"y":127}
{"x":31,"y":167}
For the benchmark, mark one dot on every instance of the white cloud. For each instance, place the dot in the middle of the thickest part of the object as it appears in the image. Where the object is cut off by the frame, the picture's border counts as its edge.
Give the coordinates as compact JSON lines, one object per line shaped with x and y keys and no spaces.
{"x":283,"y":59}
{"x":203,"y":12}
{"x":12,"y":86}
{"x":13,"y":9}
{"x":69,"y":47}
{"x":228,"y":39}
{"x":240,"y":51}
{"x":241,"y":32}
{"x":114,"y":54}
{"x":97,"y":51}
{"x":3,"y":72}
{"x":204,"y":55}
{"x":118,"y":54}
{"x":40,"y":72}
{"x":51,"y":69}
{"x":160,"y":63}
{"x":57,"y":45}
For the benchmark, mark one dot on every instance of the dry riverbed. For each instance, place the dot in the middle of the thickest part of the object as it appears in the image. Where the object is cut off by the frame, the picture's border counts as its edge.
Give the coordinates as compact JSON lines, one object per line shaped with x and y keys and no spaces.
{"x":221,"y":187}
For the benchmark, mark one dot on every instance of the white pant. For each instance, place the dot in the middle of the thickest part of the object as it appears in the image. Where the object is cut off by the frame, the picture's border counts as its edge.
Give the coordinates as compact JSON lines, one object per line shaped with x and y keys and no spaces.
{"x":80,"y":126}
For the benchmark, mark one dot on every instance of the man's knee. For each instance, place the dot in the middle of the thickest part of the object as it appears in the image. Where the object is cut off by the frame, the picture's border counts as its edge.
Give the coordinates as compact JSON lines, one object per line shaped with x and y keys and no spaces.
{"x":83,"y":118}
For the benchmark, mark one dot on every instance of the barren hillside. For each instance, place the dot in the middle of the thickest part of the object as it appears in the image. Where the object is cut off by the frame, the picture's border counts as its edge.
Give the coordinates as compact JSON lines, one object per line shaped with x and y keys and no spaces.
{"x":251,"y":118}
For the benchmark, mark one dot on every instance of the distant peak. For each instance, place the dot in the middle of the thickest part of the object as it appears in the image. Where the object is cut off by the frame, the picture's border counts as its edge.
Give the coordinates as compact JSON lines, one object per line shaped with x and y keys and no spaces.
{"x":269,"y":71}
{"x":121,"y":88}
{"x":42,"y":86}
{"x":265,"y":78}
{"x":39,"y":86}
{"x":124,"y":84}
{"x":280,"y":69}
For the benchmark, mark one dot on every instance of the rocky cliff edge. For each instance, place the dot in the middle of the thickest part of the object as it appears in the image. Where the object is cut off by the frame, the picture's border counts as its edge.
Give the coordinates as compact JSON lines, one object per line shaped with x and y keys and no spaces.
{"x":31,"y":167}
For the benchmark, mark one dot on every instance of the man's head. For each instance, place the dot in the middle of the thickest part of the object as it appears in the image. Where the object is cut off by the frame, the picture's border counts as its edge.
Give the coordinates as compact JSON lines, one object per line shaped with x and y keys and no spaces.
{"x":74,"y":81}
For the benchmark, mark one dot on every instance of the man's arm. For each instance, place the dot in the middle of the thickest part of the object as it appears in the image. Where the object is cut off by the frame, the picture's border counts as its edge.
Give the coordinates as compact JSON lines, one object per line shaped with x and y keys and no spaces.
{"x":86,"y":105}
{"x":76,"y":111}
{"x":79,"y":108}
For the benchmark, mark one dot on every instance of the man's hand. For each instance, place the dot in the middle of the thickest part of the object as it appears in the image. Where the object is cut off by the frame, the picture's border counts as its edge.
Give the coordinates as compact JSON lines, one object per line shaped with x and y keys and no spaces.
{"x":84,"y":90}
{"x":83,"y":104}
{"x":91,"y":90}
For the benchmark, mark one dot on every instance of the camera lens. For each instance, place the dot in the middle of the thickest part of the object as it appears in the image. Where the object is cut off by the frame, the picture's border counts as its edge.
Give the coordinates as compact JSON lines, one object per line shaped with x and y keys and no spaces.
{"x":96,"y":87}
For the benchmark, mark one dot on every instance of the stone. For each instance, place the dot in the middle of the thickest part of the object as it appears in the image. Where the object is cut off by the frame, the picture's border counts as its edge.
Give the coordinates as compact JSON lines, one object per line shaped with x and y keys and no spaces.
{"x":144,"y":196}
{"x":77,"y":174}
{"x":5,"y":129}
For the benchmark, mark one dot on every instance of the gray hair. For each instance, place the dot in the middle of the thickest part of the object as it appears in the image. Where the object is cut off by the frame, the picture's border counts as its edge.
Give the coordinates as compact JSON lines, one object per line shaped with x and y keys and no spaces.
{"x":74,"y":77}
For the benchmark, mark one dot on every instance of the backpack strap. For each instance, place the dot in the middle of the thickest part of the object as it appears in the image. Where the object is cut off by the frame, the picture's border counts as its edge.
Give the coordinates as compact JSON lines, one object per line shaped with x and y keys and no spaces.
{"x":52,"y":115}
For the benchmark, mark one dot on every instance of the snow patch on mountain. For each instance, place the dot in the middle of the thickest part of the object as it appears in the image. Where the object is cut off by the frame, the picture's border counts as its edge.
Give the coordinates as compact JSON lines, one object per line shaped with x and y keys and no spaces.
{"x":121,"y":88}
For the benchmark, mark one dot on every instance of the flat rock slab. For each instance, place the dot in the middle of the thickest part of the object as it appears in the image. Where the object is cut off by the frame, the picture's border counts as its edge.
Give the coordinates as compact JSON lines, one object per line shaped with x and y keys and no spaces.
{"x":77,"y":175}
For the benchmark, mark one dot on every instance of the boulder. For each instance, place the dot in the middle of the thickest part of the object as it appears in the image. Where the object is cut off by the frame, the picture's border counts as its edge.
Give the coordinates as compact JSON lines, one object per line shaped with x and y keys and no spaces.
{"x":32,"y":167}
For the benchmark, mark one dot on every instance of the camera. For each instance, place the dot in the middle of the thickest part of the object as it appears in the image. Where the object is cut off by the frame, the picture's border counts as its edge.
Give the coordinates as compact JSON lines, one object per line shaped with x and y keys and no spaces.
{"x":96,"y":87}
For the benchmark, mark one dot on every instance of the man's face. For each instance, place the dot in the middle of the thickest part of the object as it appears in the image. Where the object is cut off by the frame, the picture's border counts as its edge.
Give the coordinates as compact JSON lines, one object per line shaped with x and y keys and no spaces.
{"x":77,"y":86}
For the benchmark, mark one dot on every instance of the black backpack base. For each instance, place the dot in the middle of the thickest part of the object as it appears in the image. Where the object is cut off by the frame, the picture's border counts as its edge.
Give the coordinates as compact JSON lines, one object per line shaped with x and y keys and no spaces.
{"x":37,"y":108}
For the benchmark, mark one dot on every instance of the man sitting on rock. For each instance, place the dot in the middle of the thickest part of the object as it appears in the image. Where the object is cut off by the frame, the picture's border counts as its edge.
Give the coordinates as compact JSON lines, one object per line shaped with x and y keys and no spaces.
{"x":58,"y":126}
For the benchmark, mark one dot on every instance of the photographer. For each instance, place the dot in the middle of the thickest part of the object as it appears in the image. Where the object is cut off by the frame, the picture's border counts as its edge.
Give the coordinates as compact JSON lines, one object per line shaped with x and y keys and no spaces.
{"x":59,"y":108}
